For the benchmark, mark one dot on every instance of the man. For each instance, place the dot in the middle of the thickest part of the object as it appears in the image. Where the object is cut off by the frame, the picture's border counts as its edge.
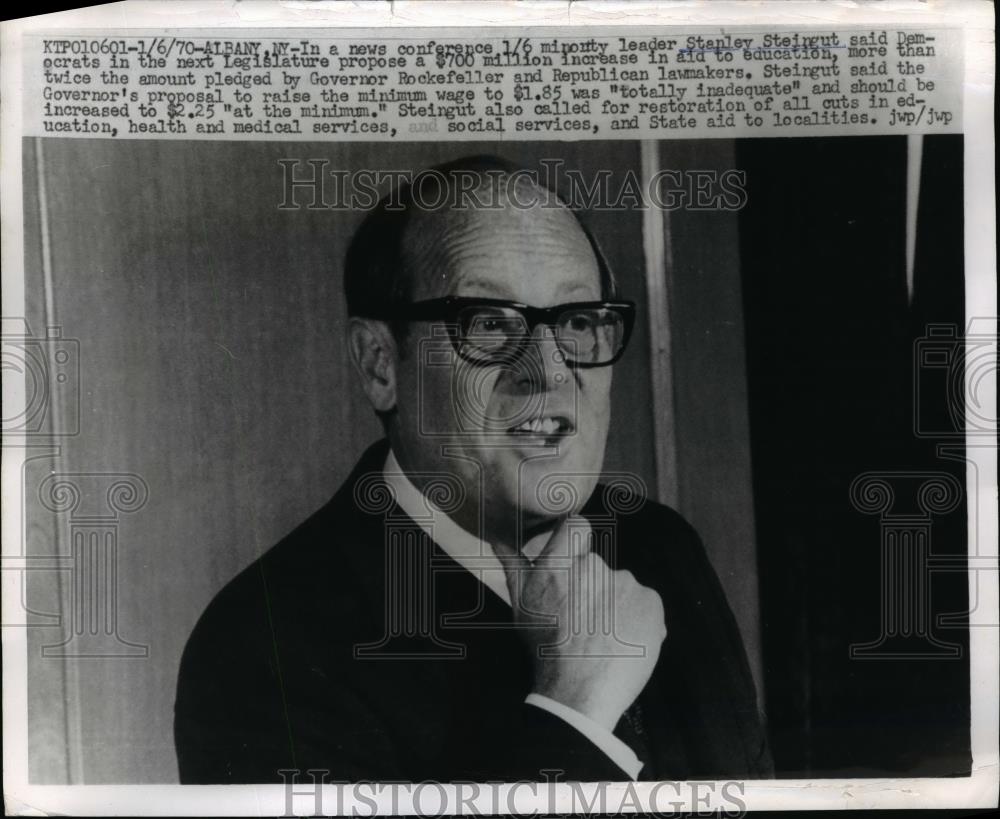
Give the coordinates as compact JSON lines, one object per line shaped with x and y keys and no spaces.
{"x":472,"y":604}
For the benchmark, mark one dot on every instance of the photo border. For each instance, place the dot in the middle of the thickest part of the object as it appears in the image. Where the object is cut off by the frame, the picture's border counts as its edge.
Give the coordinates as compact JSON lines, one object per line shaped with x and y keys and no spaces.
{"x":978,"y":790}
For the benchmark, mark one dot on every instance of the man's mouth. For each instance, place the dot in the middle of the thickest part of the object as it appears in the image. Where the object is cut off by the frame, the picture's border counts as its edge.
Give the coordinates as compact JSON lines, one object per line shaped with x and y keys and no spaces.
{"x":548,"y":428}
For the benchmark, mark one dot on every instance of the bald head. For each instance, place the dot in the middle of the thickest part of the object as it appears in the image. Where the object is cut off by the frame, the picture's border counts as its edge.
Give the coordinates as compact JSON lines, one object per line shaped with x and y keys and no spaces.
{"x":466,"y":215}
{"x":524,"y":231}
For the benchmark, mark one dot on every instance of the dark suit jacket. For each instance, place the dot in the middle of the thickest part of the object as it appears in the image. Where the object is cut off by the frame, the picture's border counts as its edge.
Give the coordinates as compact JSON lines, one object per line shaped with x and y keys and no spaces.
{"x":357,"y":646}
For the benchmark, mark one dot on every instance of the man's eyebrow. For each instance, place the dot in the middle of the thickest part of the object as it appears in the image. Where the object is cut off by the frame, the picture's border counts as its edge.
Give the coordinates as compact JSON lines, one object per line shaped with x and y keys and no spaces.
{"x":485,"y":284}
{"x":493,"y":287}
{"x":578,"y":286}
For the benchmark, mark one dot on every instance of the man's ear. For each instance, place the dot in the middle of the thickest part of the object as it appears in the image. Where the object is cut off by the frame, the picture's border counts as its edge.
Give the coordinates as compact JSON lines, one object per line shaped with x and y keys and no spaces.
{"x":373,"y":351}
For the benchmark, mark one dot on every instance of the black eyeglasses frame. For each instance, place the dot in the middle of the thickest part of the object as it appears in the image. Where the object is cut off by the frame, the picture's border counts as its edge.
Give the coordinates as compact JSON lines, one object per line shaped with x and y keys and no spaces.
{"x":446,"y":309}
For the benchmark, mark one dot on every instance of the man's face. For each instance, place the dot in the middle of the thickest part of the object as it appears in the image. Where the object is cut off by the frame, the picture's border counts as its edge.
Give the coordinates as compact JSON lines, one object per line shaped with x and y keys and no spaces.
{"x":525,"y":435}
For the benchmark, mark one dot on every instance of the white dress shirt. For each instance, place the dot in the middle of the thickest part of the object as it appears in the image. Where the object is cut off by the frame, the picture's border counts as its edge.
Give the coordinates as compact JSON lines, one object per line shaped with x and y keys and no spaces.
{"x":478,"y":557}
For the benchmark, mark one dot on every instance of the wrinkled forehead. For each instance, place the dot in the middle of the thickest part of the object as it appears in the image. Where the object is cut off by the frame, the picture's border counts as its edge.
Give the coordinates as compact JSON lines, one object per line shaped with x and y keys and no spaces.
{"x":523,"y":247}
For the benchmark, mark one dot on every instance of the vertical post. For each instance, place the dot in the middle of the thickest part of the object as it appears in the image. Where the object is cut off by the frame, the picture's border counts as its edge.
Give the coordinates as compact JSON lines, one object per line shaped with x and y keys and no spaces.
{"x":70,"y":679}
{"x":659,"y":268}
{"x":914,"y":162}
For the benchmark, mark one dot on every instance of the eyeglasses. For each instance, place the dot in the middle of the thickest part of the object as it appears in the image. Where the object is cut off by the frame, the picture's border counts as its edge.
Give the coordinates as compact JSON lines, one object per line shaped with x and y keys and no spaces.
{"x":495,"y":331}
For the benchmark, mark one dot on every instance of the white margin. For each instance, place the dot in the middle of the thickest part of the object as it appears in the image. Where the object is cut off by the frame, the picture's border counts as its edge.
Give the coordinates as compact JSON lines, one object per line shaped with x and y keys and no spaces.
{"x":980,"y":790}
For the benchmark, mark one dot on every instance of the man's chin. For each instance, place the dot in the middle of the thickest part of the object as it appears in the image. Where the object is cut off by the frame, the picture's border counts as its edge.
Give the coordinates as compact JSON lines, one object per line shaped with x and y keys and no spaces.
{"x":539,"y":483}
{"x":554,"y":493}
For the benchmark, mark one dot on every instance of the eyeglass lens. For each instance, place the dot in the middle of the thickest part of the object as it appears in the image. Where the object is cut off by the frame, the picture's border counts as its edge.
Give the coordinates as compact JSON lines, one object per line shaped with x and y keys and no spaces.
{"x":587,"y":335}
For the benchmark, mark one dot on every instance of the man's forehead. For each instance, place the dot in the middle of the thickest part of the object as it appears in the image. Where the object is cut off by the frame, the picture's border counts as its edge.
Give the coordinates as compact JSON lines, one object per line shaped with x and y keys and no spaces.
{"x":485,"y":246}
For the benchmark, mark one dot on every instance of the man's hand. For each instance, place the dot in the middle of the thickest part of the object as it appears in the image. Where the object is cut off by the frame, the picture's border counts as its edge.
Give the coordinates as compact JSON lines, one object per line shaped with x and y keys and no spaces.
{"x":594,"y":633}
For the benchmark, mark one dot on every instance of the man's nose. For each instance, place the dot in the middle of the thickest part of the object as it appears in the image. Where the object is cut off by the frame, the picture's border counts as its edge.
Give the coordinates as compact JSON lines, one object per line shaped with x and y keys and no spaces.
{"x":542,"y":364}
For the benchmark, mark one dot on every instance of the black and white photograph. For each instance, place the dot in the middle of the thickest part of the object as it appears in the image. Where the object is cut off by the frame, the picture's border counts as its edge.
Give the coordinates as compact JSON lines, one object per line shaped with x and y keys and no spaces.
{"x":525,"y":458}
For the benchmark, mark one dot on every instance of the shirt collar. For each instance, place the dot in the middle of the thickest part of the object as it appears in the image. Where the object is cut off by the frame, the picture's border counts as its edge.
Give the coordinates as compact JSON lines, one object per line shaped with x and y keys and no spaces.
{"x":472,"y":553}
